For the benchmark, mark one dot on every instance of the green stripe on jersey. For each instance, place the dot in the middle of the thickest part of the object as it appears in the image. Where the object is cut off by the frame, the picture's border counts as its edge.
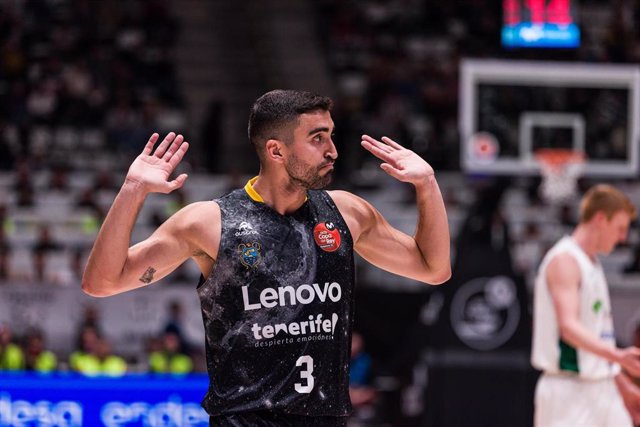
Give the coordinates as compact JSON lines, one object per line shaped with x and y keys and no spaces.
{"x":568,"y":358}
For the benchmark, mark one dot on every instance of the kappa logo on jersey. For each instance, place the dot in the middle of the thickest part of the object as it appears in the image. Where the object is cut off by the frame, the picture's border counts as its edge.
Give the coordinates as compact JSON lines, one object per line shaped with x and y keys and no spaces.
{"x":245,"y":229}
{"x":250,"y":255}
{"x":327,"y":236}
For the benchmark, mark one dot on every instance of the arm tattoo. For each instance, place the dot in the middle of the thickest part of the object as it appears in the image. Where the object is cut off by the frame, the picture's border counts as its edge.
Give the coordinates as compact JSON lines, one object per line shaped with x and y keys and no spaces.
{"x":147,"y":277}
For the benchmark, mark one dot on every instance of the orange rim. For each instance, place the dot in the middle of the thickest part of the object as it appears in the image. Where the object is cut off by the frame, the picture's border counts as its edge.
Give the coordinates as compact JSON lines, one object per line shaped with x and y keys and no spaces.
{"x":558,"y":157}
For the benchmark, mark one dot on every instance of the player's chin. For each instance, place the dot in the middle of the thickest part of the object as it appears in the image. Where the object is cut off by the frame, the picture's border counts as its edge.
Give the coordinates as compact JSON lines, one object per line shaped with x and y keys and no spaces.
{"x":322,"y":181}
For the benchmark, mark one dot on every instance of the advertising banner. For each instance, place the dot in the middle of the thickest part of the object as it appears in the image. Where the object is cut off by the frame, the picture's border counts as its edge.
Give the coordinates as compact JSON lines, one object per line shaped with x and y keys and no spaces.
{"x":69,"y":400}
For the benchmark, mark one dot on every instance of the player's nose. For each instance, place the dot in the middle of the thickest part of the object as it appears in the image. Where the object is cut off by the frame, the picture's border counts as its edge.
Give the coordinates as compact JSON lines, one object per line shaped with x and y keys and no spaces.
{"x":332,"y":153}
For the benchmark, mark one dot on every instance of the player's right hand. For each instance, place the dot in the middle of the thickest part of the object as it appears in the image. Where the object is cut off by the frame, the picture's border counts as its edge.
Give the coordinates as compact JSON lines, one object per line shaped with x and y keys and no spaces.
{"x":151,"y":171}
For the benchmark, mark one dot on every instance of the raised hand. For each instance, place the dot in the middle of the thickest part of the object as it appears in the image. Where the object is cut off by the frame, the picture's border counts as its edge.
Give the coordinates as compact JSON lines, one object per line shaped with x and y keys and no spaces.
{"x":152,"y":170}
{"x":399,"y":162}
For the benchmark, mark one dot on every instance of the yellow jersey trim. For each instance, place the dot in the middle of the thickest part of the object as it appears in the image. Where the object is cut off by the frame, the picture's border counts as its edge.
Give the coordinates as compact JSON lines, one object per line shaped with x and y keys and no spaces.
{"x":252,"y":192}
{"x":248,"y":187}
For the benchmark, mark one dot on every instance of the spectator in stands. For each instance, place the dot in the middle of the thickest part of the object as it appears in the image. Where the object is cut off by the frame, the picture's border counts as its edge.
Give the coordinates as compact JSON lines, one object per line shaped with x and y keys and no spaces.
{"x":58,"y":179}
{"x":174,"y":324}
{"x":101,"y":362}
{"x":23,"y":186}
{"x":170,"y":359}
{"x":5,"y":255}
{"x":528,"y":249}
{"x":110,"y":363}
{"x":360,"y":389}
{"x":24,"y":196}
{"x":212,"y":137}
{"x":7,"y":158}
{"x":124,"y":125}
{"x":156,"y":218}
{"x":104,"y":181}
{"x":11,"y":355}
{"x":41,"y":250}
{"x":6,"y":222}
{"x":567,"y":217}
{"x":76,"y":264}
{"x":86,"y":199}
{"x":87,"y":345}
{"x":90,"y":321}
{"x":43,"y":101}
{"x":95,"y":356}
{"x":77,"y":87}
{"x":634,"y":265}
{"x":177,"y":202}
{"x":93,"y":213}
{"x":37,"y":358}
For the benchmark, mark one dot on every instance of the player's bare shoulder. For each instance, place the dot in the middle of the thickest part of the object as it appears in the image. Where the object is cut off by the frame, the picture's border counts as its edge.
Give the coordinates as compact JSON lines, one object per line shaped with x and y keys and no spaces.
{"x":563,"y":270}
{"x":356,"y":211}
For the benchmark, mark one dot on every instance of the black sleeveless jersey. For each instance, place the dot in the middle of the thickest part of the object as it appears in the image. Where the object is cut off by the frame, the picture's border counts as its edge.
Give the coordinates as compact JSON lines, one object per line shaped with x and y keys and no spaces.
{"x":277,"y":309}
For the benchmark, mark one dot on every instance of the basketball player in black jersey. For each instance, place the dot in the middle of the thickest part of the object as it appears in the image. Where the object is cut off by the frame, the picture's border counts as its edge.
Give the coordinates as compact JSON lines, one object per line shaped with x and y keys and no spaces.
{"x":277,"y":261}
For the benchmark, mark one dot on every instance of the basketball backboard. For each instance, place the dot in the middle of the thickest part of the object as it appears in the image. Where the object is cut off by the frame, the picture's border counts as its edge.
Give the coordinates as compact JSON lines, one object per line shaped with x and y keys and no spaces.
{"x":510,"y":109}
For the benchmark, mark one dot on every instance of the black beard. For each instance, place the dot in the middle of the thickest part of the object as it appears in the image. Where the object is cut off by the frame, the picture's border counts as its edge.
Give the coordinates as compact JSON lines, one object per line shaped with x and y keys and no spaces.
{"x":304,"y":177}
{"x":316,"y":182}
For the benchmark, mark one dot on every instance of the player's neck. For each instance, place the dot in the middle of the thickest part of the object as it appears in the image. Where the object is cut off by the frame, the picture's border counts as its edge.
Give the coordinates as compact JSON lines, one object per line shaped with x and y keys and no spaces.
{"x":279,"y":193}
{"x":586,"y":237}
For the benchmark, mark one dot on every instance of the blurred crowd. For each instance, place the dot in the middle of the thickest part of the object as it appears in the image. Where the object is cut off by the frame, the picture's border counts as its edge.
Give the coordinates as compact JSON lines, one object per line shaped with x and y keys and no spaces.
{"x":167,"y":352}
{"x":82,"y":85}
{"x":79,"y":74}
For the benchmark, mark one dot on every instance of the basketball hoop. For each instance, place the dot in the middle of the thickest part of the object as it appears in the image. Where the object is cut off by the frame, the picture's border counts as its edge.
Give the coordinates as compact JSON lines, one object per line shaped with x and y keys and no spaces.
{"x":560,"y":169}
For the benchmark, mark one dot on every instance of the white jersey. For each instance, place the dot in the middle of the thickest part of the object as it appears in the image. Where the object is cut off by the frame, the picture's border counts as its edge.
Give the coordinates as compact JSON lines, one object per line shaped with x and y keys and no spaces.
{"x":549,"y":353}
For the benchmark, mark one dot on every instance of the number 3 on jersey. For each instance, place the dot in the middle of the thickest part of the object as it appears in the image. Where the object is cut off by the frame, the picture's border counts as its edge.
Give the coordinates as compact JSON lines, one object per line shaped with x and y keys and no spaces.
{"x":305,"y":374}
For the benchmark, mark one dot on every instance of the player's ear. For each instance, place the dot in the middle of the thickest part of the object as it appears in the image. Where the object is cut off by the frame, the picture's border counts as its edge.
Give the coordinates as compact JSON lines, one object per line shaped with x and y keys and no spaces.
{"x":600,"y":217}
{"x":273,"y":150}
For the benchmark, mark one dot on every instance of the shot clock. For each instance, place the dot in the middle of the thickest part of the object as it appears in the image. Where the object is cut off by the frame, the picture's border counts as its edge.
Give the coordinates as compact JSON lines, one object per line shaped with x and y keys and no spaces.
{"x":540,"y":24}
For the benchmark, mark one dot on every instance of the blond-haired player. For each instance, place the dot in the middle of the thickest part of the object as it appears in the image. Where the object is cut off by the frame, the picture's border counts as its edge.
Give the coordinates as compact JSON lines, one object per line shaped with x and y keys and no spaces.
{"x":584,"y":379}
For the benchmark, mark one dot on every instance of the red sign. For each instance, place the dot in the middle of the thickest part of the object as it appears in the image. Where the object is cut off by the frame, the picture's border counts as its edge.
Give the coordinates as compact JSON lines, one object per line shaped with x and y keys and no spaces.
{"x":327,"y":236}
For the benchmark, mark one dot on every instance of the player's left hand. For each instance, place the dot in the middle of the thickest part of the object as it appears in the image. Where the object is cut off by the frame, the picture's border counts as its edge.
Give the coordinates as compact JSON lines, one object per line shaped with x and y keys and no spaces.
{"x":399,"y":162}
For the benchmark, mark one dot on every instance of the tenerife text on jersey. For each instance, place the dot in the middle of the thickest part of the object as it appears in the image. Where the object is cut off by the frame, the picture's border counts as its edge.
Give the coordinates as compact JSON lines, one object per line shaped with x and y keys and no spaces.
{"x":290,"y":295}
